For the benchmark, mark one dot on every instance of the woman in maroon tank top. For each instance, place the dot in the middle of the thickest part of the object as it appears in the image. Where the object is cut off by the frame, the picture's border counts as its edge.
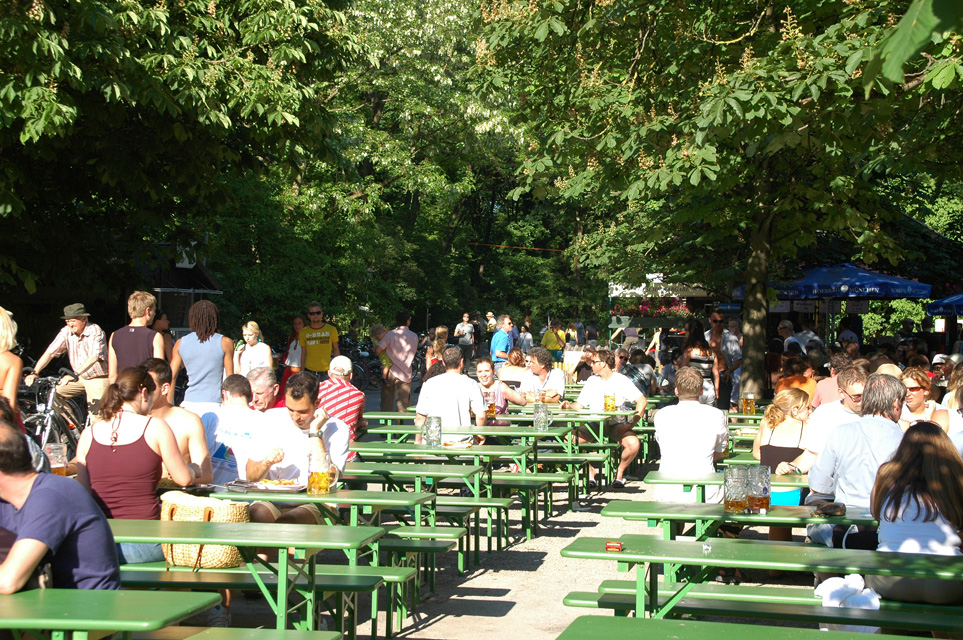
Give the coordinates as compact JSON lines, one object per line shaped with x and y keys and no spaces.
{"x":119,"y":460}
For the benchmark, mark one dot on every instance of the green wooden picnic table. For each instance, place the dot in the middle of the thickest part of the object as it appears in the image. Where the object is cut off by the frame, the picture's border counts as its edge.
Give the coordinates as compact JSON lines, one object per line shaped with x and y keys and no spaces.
{"x":700,"y":482}
{"x":484,"y":455}
{"x":744,"y":457}
{"x":745,"y":419}
{"x":228,"y":633}
{"x":597,"y":627}
{"x":73,"y":613}
{"x":706,"y":557}
{"x":248,"y":537}
{"x":419,"y":472}
{"x":361,"y":503}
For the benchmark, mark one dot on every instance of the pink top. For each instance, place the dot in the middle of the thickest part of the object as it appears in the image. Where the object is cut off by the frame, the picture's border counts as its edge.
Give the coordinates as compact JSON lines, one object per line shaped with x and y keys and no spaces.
{"x":827,"y":390}
{"x":123,"y":478}
{"x":400,"y":344}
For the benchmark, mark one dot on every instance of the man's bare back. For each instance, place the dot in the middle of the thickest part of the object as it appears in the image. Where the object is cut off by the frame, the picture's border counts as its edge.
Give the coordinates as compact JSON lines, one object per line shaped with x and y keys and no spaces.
{"x":191,"y":439}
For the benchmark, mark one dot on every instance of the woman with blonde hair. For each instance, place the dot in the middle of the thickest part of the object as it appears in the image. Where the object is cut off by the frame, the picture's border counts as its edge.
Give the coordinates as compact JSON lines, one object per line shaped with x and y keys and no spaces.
{"x":437,"y":346}
{"x":252,"y":353}
{"x":11,"y":366}
{"x":918,"y":500}
{"x":777,"y":440}
{"x":512,"y":371}
{"x":917,"y":408}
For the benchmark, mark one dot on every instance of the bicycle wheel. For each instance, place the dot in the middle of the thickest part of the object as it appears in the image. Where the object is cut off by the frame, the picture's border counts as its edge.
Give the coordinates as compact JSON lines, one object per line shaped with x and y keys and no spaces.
{"x":360,"y":377}
{"x":59,"y":432}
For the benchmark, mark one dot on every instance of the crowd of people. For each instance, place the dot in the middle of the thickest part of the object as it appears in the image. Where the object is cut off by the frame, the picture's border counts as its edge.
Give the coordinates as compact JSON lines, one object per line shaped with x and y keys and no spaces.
{"x":874,"y":429}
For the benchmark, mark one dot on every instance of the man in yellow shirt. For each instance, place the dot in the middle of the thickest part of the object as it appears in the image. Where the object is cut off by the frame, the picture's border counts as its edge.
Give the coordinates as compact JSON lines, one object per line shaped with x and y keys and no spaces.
{"x":554,"y":340}
{"x":319,"y":343}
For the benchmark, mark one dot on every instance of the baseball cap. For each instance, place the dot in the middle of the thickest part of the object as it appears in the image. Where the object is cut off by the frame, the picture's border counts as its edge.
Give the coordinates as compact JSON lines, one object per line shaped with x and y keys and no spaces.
{"x":939,"y":358}
{"x":341,"y":365}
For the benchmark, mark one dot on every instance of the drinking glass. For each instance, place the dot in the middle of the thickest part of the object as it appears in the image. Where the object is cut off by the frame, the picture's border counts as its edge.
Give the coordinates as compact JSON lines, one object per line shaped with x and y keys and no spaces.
{"x":432,"y":435}
{"x":609,"y":403}
{"x":542,"y":417}
{"x":57,"y":455}
{"x":736,"y":481}
{"x":760,"y":489}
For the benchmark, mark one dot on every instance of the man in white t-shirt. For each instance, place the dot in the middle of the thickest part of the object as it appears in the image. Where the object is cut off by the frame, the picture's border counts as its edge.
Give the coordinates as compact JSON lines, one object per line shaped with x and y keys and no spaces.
{"x":465,"y":332}
{"x":824,"y":420}
{"x":691,"y":437}
{"x":608,"y":383}
{"x":542,"y":376}
{"x":291,"y":436}
{"x":451,"y":396}
{"x":232,"y":430}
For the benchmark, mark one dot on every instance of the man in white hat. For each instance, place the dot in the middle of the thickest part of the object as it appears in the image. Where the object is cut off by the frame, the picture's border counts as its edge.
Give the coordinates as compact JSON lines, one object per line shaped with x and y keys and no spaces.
{"x":86,"y":346}
{"x":341,"y":399}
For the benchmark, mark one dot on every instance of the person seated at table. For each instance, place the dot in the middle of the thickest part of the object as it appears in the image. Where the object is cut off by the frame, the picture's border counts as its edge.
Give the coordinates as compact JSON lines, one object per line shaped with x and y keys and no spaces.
{"x":186,"y":425}
{"x":779,"y":439}
{"x":119,"y":460}
{"x":918,"y":501}
{"x":451,"y":396}
{"x":827,"y":389}
{"x":846,"y":468}
{"x":639,"y":368}
{"x":917,"y":407}
{"x":494,"y":392}
{"x":583,"y":369}
{"x":233,"y":429}
{"x":543,"y":382}
{"x":514,"y":370}
{"x":691,"y":437}
{"x":291,"y":435}
{"x":797,"y":373}
{"x":52,"y":519}
{"x":609,"y":385}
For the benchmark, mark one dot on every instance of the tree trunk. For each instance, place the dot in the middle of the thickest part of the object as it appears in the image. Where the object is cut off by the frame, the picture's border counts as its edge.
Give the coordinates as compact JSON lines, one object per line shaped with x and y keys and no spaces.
{"x":756,"y":304}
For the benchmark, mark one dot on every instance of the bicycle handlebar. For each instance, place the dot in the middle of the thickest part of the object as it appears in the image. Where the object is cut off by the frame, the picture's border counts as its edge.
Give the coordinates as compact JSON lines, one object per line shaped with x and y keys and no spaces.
{"x":64,"y":371}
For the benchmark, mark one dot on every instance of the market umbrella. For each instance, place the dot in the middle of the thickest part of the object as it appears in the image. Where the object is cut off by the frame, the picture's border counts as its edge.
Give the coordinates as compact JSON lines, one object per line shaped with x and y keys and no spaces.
{"x":845,"y":281}
{"x":948,"y":306}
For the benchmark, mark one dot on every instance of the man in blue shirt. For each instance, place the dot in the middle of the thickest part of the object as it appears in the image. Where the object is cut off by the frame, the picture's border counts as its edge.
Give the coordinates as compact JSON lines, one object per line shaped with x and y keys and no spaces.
{"x":502,"y":342}
{"x":54,"y":519}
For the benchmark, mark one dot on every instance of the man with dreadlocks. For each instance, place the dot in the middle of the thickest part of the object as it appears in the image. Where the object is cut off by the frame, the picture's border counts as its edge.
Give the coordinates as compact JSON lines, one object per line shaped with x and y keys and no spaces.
{"x":208,"y":357}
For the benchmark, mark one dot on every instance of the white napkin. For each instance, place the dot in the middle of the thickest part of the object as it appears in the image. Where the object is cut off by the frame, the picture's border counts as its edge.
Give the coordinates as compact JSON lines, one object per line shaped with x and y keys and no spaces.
{"x":849,"y":591}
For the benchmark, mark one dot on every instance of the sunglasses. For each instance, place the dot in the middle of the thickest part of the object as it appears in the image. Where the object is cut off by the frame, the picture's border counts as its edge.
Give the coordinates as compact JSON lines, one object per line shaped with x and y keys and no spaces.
{"x":914,"y":389}
{"x":314,"y":313}
{"x":855,"y":398}
{"x":716,"y":321}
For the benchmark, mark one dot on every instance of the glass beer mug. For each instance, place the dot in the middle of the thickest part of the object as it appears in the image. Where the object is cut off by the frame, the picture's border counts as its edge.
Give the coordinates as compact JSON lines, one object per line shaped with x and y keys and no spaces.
{"x":760,"y":489}
{"x":736,"y":481}
{"x":322,"y":474}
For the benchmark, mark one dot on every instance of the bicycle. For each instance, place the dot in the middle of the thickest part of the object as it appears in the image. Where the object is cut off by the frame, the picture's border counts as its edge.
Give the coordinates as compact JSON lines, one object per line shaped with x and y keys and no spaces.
{"x":47,"y":419}
{"x":366,"y":366}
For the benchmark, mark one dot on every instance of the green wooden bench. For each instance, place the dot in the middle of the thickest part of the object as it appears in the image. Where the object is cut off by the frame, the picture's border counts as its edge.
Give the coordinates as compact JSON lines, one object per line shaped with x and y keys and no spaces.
{"x":228,"y":633}
{"x":598,"y":627}
{"x":400,"y":578}
{"x":490,"y":504}
{"x":530,"y":486}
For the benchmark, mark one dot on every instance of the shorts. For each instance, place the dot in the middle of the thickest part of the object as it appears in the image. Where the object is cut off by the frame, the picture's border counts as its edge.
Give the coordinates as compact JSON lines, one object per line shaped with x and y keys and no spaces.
{"x":614,"y":427}
{"x":278,"y":510}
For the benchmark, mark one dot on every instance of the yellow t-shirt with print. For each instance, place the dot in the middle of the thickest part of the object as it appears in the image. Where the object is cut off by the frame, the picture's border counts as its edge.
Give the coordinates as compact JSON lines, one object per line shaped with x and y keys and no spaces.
{"x":552,"y":342}
{"x":317,"y":346}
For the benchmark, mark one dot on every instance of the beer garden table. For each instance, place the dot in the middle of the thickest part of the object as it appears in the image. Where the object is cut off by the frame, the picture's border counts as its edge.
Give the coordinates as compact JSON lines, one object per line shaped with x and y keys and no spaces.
{"x":418,"y":472}
{"x":700,"y":482}
{"x":248,"y":537}
{"x":74,"y":613}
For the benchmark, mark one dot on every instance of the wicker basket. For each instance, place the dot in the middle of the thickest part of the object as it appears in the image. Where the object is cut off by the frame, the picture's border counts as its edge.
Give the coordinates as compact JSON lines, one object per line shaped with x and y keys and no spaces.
{"x":183,"y":507}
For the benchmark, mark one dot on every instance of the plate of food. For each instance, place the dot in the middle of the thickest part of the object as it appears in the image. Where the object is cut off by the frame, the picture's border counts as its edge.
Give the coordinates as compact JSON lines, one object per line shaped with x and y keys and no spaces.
{"x":281,"y":486}
{"x":457,"y":445}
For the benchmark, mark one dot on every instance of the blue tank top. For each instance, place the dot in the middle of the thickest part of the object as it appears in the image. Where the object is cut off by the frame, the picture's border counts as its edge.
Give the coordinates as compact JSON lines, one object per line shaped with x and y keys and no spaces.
{"x":204,"y":362}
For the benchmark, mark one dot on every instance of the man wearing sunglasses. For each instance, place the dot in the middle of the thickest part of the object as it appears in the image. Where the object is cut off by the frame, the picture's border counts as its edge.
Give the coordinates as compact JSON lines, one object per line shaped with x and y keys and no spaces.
{"x":319,"y":343}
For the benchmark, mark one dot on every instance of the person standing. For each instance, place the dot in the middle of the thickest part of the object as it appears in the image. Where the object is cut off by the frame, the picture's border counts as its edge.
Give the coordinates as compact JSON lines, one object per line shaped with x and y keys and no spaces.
{"x":133,"y":344}
{"x":726,"y":346}
{"x":253,"y":353}
{"x":162,"y":325}
{"x":319,"y":343}
{"x":208,"y":357}
{"x":525,"y":340}
{"x":86,"y":347}
{"x":465,"y":332}
{"x":401,"y":344}
{"x":502,"y":342}
{"x":11,"y":366}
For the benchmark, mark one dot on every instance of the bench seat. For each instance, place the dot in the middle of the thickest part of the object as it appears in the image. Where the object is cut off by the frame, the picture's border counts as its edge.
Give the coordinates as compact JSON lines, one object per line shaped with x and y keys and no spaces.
{"x":230,"y":633}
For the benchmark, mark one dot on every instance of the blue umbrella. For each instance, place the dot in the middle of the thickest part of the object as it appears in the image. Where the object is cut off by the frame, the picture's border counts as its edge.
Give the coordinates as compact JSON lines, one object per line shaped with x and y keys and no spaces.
{"x":845,"y":281}
{"x":948,"y":306}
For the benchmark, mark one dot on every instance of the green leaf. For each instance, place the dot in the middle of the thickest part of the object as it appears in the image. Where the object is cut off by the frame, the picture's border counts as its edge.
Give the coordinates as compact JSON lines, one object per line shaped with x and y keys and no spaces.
{"x":542,"y":32}
{"x":943,"y":76}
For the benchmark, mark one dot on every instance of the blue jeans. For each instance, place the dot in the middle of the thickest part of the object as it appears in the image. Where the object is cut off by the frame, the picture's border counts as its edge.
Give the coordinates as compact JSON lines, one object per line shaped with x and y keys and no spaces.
{"x":499,"y":365}
{"x":139,"y":552}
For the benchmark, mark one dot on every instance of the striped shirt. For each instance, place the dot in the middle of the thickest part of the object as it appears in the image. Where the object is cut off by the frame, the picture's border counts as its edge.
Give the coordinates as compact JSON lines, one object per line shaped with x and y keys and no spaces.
{"x":93,"y":341}
{"x":344,"y":401}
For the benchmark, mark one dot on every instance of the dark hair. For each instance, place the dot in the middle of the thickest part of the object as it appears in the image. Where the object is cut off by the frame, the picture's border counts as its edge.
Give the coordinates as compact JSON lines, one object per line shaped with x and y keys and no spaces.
{"x":776,"y":345}
{"x":130,"y":382}
{"x":302,"y":385}
{"x":237,"y":386}
{"x":15,"y":458}
{"x":543,"y":356}
{"x":695,"y":337}
{"x":919,"y":360}
{"x":203,"y":319}
{"x":160,"y":369}
{"x":6,"y":411}
{"x":402,"y":317}
{"x":436,"y":369}
{"x":925,"y":469}
{"x":606,"y":356}
{"x":292,"y":335}
{"x":795,"y":366}
{"x":839,"y":361}
{"x":158,"y":314}
{"x":452,"y":357}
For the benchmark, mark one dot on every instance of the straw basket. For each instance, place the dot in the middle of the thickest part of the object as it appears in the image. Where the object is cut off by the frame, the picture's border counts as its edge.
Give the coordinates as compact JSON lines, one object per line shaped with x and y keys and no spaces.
{"x":183,"y":507}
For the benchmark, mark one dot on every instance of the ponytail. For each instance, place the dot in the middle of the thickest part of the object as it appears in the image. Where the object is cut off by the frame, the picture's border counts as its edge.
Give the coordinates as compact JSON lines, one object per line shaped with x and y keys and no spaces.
{"x":773,"y":416}
{"x":783,"y":404}
{"x":128,"y":386}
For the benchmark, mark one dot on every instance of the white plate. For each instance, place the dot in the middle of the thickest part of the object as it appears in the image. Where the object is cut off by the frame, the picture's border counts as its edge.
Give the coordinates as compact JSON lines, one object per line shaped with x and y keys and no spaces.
{"x":281,"y":488}
{"x":456,"y":445}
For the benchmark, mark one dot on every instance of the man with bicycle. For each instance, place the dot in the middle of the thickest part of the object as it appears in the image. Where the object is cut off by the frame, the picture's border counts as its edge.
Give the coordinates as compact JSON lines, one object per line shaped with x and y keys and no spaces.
{"x":86,"y":346}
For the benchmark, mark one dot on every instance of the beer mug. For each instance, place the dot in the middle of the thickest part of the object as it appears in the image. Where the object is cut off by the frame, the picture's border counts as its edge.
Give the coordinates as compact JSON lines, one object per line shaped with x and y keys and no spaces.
{"x":322,"y":474}
{"x":609,"y":403}
{"x":760,"y":489}
{"x":749,"y":404}
{"x":542,"y":417}
{"x":736,"y":480}
{"x":432,"y":431}
{"x":57,"y":455}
